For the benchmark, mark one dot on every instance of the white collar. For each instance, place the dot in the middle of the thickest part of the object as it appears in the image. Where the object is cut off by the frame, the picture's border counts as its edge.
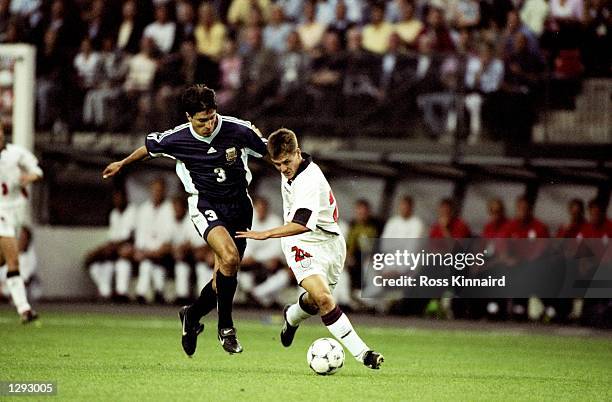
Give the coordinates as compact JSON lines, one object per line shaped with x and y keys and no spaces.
{"x":211,"y":137}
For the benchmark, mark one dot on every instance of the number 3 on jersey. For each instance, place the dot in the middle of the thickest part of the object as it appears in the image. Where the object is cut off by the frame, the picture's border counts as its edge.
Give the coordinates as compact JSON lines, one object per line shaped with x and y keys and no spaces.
{"x":221,"y":176}
{"x":210,"y":215}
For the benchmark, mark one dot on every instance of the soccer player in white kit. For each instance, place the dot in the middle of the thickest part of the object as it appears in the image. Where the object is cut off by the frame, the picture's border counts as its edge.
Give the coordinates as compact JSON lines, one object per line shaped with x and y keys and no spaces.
{"x":18,"y":168}
{"x":313,"y":245}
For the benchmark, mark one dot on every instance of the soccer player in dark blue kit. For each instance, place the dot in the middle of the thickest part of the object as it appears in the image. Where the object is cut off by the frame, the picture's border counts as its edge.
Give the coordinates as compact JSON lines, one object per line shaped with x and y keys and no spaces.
{"x":211,"y":153}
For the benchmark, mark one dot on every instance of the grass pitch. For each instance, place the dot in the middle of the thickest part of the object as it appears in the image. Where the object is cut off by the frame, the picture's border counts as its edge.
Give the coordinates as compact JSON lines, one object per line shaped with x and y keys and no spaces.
{"x":112,"y":357}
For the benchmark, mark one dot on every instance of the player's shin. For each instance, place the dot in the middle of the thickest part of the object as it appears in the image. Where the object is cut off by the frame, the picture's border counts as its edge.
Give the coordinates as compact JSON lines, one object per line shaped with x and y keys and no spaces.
{"x":341,"y":328}
{"x":17,"y":289}
{"x":226,"y":288}
{"x":204,"y":304}
{"x":300,"y":311}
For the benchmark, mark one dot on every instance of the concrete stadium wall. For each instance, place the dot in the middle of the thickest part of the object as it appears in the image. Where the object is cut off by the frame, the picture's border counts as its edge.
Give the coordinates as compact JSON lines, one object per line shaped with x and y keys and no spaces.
{"x":60,"y":252}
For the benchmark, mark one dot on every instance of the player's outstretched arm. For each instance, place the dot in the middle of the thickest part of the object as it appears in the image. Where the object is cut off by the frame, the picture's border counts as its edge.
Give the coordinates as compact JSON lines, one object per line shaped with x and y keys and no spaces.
{"x":288,"y":229}
{"x":114,"y":168}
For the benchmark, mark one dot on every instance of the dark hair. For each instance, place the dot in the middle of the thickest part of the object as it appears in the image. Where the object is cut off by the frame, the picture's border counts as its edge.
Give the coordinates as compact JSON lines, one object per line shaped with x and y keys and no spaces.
{"x":363,"y":202}
{"x":198,"y":98}
{"x":597,"y":203}
{"x":408,"y":199}
{"x":282,"y":141}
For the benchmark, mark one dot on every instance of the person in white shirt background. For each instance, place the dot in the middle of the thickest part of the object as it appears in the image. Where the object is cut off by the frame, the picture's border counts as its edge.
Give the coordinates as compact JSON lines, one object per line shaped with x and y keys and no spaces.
{"x":115,"y":255}
{"x":153,"y":242}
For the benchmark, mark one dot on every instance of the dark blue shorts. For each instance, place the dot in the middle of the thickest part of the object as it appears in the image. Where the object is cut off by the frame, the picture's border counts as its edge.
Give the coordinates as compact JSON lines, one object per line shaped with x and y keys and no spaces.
{"x":234,"y":215}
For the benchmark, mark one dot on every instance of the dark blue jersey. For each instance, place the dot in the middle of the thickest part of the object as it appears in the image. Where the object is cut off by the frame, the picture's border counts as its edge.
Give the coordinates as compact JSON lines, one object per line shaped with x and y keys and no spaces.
{"x":213,"y":167}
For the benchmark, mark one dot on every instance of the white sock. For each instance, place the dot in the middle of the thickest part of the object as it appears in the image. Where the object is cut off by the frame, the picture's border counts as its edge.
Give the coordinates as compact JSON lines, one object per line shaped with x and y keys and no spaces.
{"x":123,"y":270}
{"x":203,"y":275}
{"x":159,"y":278}
{"x":106,"y":279}
{"x":143,"y":285}
{"x":341,"y":328}
{"x":95,"y":272}
{"x":295,"y":314}
{"x":18,"y":293}
{"x":181,"y":279}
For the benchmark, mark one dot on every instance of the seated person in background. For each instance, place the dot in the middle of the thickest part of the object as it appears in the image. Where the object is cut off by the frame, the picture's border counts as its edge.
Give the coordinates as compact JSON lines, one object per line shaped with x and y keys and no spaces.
{"x":262,"y":261}
{"x":449,"y":224}
{"x":364,"y":226}
{"x":153,"y":242}
{"x":404,"y":225}
{"x":497,"y":221}
{"x":114,"y":257}
{"x":185,"y":241}
{"x":574,"y":228}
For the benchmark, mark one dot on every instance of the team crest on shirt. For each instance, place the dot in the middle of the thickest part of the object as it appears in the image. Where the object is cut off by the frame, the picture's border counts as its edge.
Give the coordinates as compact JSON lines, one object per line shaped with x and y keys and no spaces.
{"x":231,"y":155}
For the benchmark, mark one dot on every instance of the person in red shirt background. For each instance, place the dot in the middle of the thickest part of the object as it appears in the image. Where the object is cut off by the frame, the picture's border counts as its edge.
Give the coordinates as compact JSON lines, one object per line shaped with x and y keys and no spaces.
{"x":525,"y":225}
{"x":574,"y":228}
{"x":449,"y":224}
{"x":598,"y":312}
{"x":497,"y":213}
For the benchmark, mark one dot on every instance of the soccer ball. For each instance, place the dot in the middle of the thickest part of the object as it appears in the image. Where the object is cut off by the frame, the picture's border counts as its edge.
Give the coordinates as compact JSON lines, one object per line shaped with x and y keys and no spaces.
{"x":325,"y":356}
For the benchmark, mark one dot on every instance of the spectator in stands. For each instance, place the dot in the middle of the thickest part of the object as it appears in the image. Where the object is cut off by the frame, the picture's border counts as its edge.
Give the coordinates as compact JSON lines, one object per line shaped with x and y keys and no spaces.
{"x":185,"y":241}
{"x":449,"y":224}
{"x":508,"y":37}
{"x":364,"y":226}
{"x":240,"y":10}
{"x":163,"y":30}
{"x":263,"y":275}
{"x":292,"y":9}
{"x":598,"y":38}
{"x":100,"y":107}
{"x":525,"y":225}
{"x":210,"y":33}
{"x":186,"y":19}
{"x":276,"y":32}
{"x":259,"y":73}
{"x":521,"y":90}
{"x":464,"y":14}
{"x":153,"y":242}
{"x":96,"y":22}
{"x":360,"y":89}
{"x":311,"y":32}
{"x":483,"y":78}
{"x":376,"y":34}
{"x":138,"y":84}
{"x":327,"y":70}
{"x":574,"y":227}
{"x":437,"y":31}
{"x":393,"y":13}
{"x":230,"y":70}
{"x":176,"y":72}
{"x":115,"y":255}
{"x":404,"y":225}
{"x":86,"y":65}
{"x":293,"y":68}
{"x":534,"y":14}
{"x":129,"y":34}
{"x":567,"y":11}
{"x":340,"y":23}
{"x":408,"y":27}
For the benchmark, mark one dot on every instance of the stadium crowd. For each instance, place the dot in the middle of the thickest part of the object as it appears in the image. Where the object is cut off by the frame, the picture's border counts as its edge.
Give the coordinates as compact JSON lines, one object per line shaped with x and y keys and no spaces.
{"x":450,"y":67}
{"x":155,"y":241}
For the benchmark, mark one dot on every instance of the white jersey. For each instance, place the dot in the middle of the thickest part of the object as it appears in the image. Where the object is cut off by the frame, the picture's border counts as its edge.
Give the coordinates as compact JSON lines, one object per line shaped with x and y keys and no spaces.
{"x":14,"y":162}
{"x":310,"y":195}
{"x":154,"y":226}
{"x":185,"y":232}
{"x":122,"y":224}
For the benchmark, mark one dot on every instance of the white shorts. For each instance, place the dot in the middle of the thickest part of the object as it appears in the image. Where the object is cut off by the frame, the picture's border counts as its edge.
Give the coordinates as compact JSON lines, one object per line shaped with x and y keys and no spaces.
{"x":324,"y":258}
{"x":7,"y":225}
{"x":11,"y":221}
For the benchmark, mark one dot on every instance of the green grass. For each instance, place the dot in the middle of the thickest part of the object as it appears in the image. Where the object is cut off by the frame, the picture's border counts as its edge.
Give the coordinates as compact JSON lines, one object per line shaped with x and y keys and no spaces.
{"x":97,"y":357}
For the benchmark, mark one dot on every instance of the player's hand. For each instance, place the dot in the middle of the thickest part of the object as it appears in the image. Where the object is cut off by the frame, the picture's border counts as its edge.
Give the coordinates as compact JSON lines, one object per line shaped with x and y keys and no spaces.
{"x":111,"y":170}
{"x":251,"y":234}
